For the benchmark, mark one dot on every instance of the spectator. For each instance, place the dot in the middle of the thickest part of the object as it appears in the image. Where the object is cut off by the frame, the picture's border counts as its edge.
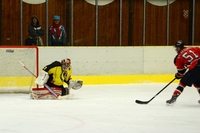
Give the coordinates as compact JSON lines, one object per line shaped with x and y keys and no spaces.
{"x":57,"y":34}
{"x":35,"y":32}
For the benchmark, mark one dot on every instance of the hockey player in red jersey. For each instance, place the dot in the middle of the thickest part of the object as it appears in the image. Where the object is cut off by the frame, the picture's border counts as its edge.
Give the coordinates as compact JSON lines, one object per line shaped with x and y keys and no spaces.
{"x":187,"y":62}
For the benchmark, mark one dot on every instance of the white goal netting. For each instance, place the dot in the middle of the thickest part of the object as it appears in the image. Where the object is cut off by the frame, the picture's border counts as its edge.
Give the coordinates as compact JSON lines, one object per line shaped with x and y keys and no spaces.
{"x":14,"y":78}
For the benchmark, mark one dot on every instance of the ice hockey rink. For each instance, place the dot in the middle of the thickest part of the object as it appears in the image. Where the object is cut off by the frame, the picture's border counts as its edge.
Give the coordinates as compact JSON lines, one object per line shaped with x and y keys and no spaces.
{"x":103,"y":109}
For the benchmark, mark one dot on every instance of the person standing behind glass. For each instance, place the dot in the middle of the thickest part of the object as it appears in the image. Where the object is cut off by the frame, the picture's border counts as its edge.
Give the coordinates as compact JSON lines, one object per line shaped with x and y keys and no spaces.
{"x":57,"y":34}
{"x":35,"y":31}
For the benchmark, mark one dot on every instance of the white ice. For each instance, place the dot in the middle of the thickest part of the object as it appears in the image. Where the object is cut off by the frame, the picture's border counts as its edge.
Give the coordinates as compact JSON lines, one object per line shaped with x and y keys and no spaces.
{"x":103,"y":109}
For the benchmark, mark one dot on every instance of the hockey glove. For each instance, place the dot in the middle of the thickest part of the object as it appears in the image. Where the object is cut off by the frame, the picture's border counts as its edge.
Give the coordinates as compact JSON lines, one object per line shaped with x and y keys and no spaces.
{"x":75,"y":84}
{"x":178,"y":76}
{"x":42,"y":78}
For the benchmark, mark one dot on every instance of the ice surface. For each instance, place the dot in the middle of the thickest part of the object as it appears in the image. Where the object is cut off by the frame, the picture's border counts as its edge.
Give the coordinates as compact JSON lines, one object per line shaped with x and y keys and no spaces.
{"x":103,"y":109}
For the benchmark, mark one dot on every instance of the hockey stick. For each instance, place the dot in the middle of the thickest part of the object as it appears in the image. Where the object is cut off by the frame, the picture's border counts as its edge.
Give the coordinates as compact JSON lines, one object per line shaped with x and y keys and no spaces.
{"x":36,"y":77}
{"x":146,"y":102}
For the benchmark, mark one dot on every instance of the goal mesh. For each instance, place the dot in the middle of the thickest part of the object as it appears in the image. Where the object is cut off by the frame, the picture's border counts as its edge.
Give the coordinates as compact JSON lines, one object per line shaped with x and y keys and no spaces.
{"x":14,"y":78}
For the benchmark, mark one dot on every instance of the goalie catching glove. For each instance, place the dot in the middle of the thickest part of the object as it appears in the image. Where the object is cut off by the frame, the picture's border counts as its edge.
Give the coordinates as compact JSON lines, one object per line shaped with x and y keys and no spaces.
{"x":42,"y":78}
{"x":75,"y":84}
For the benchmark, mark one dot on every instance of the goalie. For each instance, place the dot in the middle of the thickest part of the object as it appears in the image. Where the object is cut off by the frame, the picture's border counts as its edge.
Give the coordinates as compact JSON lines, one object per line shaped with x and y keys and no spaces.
{"x":56,"y":75}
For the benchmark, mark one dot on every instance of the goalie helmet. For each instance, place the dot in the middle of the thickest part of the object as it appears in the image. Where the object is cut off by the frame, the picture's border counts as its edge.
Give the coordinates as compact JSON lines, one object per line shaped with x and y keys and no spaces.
{"x":66,"y":63}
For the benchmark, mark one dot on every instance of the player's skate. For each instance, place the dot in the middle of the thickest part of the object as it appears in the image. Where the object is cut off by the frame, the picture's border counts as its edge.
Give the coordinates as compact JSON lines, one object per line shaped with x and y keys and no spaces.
{"x":199,"y":101}
{"x":172,"y":100}
{"x":31,"y":96}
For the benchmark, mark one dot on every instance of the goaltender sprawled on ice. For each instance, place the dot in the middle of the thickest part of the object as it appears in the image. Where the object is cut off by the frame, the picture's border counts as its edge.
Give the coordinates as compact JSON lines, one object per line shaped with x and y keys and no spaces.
{"x":57,"y":77}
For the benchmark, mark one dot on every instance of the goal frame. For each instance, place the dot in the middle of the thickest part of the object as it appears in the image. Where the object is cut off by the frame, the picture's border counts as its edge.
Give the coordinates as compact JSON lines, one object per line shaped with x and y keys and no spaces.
{"x":25,"y":89}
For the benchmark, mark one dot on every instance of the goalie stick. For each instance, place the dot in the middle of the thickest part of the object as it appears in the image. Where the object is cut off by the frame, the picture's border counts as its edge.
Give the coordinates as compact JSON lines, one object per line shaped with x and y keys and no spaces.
{"x":146,"y":102}
{"x":58,"y":97}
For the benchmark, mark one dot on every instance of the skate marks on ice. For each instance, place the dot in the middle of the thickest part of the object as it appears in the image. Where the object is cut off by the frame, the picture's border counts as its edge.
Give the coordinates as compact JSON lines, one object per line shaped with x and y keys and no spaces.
{"x":103,"y":108}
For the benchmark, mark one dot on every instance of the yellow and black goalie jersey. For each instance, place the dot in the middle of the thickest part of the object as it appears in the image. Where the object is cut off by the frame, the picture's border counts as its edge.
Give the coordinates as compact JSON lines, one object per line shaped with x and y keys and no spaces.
{"x":56,"y":75}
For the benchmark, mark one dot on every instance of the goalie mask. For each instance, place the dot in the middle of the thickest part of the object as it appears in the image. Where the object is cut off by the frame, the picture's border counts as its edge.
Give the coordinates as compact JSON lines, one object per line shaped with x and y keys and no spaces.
{"x":65,"y":63}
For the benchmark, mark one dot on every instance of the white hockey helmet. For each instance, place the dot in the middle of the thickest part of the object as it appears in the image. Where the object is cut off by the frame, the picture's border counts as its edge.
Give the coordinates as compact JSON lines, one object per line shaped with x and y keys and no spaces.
{"x":66,"y":63}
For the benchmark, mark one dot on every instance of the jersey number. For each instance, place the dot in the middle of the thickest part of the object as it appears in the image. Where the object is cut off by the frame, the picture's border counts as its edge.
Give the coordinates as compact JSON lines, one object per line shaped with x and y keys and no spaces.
{"x":189,"y":56}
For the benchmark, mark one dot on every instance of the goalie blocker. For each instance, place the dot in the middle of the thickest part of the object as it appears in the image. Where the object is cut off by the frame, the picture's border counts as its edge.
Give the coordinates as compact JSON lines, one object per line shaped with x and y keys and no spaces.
{"x":43,"y":93}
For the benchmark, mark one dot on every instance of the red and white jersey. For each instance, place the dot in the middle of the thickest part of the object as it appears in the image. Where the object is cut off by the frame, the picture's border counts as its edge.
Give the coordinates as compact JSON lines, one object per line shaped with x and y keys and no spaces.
{"x":187,"y":58}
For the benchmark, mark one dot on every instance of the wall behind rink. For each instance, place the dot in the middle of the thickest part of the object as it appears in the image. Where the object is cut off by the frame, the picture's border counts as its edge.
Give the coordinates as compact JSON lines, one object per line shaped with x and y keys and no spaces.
{"x":107,"y":65}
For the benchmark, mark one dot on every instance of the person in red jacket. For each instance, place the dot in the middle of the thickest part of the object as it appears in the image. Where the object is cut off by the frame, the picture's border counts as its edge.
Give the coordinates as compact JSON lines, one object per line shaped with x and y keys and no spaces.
{"x":57,"y":33}
{"x":187,"y":62}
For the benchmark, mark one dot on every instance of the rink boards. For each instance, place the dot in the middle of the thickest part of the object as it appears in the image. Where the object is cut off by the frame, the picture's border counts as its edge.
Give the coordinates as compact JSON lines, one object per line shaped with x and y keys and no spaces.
{"x":104,"y":79}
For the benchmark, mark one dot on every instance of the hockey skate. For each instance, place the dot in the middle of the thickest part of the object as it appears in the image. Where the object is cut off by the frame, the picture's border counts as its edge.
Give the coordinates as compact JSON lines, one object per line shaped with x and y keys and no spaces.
{"x":31,"y":96}
{"x":172,"y":100}
{"x":199,"y":101}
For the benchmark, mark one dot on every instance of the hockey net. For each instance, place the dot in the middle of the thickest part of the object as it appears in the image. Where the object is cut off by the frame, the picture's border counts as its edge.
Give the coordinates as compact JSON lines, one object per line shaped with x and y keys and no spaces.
{"x":13,"y":77}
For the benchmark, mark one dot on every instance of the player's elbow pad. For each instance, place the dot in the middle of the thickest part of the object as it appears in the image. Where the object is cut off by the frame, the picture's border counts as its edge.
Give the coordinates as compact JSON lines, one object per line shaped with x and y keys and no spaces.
{"x":42,"y":78}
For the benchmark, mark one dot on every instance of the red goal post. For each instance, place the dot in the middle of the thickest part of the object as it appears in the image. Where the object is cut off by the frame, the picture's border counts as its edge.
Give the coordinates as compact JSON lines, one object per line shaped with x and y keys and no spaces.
{"x":13,"y":77}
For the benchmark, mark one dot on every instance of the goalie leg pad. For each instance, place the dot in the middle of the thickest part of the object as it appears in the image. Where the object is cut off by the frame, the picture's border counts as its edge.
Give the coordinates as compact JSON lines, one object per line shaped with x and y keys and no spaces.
{"x":43,"y":93}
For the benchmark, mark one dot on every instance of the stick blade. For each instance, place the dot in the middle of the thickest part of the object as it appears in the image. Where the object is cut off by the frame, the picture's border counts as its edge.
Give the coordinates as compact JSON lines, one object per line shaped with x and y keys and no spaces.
{"x":141,"y":102}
